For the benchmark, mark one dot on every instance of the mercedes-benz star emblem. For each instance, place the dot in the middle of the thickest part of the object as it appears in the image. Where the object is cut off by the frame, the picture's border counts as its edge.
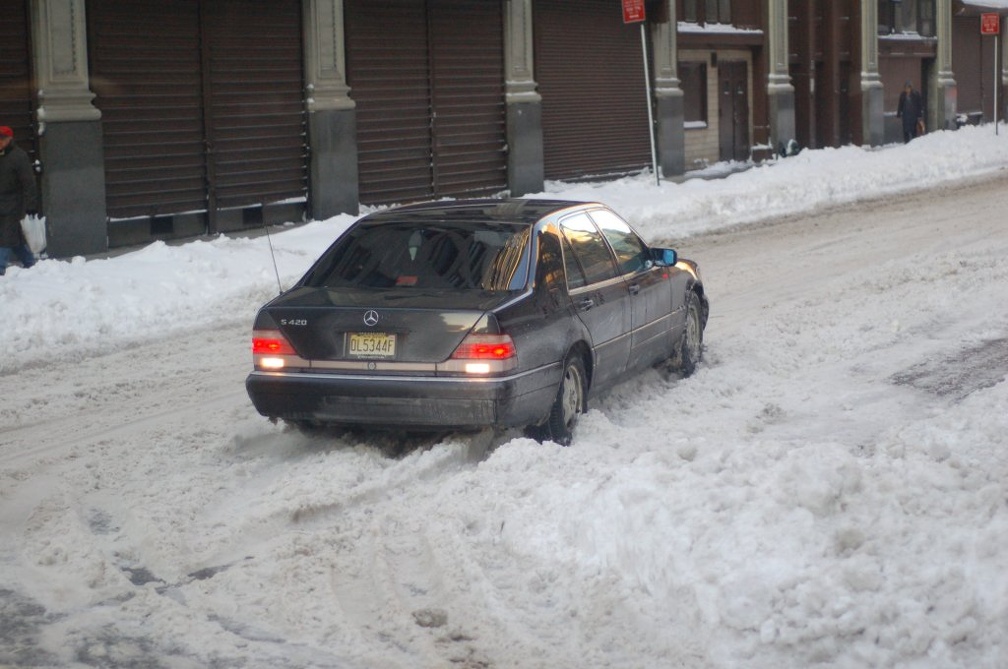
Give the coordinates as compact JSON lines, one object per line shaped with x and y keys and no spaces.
{"x":370,"y":318}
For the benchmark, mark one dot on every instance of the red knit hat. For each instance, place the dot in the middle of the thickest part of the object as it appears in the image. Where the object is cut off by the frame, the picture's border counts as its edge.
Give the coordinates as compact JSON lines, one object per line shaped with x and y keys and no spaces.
{"x":5,"y":131}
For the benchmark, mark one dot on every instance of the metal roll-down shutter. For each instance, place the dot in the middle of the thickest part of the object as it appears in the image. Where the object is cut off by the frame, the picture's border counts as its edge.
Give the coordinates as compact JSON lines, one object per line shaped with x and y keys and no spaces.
{"x":427,"y":78}
{"x":15,"y":74}
{"x":145,"y":72}
{"x":202,"y":107}
{"x":590,"y":71}
{"x":255,"y":113}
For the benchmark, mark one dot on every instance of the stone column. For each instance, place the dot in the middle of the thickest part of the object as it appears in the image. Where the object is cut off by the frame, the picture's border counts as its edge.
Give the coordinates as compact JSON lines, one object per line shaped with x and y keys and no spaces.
{"x":943,"y":91}
{"x":332,"y":116}
{"x":780,"y":91}
{"x":70,"y":134}
{"x":670,"y":114}
{"x":872,"y":109}
{"x":526,"y":170}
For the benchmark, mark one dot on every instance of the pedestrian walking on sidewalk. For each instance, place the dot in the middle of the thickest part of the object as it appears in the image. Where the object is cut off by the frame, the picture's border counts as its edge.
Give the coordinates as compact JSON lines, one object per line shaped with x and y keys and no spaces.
{"x":911,"y":110}
{"x":18,"y":197}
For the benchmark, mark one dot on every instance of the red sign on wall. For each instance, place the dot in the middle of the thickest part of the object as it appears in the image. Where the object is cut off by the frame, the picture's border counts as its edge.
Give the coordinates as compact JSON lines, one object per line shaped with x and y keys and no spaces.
{"x":633,"y":11}
{"x":990,"y":24}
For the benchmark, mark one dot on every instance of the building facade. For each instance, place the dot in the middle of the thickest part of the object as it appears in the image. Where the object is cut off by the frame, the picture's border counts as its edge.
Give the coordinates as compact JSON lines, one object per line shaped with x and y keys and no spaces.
{"x":151,"y":120}
{"x":850,"y":58}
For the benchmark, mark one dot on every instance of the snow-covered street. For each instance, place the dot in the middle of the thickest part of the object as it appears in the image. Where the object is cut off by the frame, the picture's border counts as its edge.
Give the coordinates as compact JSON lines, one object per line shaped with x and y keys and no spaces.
{"x":829,"y":489}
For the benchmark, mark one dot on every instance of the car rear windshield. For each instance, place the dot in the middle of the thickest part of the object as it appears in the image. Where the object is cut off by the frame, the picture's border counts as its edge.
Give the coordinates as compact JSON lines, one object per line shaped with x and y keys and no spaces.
{"x":449,"y":255}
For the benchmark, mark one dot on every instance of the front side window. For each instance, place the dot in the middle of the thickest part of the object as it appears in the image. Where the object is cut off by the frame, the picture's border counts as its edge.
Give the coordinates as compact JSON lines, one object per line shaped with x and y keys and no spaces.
{"x":438,"y":255}
{"x":631,"y":251}
{"x":588,"y":249}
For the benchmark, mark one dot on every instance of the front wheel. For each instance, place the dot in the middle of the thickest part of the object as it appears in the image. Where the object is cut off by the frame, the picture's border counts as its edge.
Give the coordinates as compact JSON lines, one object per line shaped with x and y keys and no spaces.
{"x":691,"y":349}
{"x":569,"y":402}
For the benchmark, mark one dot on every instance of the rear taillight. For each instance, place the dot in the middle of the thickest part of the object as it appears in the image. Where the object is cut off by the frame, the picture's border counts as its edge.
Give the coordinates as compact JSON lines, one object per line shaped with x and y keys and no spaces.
{"x":270,"y":349}
{"x":485,"y":347}
{"x":484,"y":354}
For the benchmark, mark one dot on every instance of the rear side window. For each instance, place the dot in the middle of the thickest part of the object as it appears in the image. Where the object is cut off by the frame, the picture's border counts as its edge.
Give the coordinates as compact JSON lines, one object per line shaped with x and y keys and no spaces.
{"x":550,"y":273}
{"x":549,"y":266}
{"x":589,"y":251}
{"x":488,"y":257}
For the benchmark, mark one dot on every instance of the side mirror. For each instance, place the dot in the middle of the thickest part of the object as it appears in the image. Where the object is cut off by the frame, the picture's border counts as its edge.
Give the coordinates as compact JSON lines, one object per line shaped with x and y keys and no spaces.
{"x":667,"y":257}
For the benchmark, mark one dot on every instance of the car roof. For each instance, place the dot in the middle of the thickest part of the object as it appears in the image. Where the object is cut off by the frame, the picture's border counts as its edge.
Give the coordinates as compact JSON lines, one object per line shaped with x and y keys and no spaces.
{"x":523,"y":211}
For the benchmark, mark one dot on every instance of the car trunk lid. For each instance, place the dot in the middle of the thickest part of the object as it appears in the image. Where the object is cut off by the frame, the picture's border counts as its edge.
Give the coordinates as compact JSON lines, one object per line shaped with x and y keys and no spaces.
{"x":404,"y":326}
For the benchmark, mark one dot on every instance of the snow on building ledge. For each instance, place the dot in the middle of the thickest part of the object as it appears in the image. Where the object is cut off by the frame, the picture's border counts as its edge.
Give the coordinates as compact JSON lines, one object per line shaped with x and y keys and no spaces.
{"x":717,"y":28}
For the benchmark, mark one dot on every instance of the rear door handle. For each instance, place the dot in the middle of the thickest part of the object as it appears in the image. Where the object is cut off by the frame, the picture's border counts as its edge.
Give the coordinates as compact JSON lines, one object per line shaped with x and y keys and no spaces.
{"x":634,"y":288}
{"x":586,"y":304}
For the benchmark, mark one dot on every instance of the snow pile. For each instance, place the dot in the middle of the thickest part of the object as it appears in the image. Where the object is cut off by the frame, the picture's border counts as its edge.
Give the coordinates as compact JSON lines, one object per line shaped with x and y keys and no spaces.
{"x":829,"y":489}
{"x":66,"y":309}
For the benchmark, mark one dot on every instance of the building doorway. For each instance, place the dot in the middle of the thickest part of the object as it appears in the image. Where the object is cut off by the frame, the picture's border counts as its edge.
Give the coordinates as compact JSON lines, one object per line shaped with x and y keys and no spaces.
{"x":733,"y":114}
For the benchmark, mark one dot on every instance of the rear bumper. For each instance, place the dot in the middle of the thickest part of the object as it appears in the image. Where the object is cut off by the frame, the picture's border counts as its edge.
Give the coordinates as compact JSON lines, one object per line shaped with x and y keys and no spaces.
{"x":405,"y":402}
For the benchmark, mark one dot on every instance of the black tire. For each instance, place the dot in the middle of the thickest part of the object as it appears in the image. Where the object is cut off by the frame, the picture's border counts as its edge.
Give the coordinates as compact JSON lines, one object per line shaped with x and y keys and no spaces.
{"x":569,"y":402}
{"x":691,"y":348}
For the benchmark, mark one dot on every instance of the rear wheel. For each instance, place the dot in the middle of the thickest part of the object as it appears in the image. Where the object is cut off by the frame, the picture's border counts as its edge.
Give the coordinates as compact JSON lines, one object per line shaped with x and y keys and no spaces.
{"x":569,"y":402}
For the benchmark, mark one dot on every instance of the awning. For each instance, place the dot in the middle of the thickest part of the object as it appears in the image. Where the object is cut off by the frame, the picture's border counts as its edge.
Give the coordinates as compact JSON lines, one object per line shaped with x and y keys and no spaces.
{"x":978,"y":7}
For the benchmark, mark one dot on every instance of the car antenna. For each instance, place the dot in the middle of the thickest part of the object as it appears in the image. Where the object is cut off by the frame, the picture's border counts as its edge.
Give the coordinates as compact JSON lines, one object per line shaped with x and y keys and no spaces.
{"x":276,"y":271}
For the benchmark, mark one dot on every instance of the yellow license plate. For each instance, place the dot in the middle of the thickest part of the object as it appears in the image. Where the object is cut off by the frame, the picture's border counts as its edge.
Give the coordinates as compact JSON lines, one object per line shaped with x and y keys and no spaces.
{"x":371,"y":345}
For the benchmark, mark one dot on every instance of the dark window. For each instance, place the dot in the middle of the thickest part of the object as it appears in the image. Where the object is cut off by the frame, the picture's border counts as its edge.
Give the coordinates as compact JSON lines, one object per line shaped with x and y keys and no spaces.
{"x":403,"y":255}
{"x":631,"y":251}
{"x":909,"y":18}
{"x":693,"y":79}
{"x":906,"y":16}
{"x":689,"y":11}
{"x":589,"y":250}
{"x":710,"y":11}
{"x":718,"y":11}
{"x":724,"y":11}
{"x":707,"y":11}
{"x":888,"y":17}
{"x":926,"y":18}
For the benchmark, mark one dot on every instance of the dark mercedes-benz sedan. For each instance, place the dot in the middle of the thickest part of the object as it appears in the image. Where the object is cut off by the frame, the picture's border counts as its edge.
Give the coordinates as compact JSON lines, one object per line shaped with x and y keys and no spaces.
{"x":474,"y":314}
